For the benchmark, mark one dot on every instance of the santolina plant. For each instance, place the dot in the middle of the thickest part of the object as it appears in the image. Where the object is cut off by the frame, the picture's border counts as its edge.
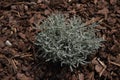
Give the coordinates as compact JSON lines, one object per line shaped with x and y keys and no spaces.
{"x":68,"y":41}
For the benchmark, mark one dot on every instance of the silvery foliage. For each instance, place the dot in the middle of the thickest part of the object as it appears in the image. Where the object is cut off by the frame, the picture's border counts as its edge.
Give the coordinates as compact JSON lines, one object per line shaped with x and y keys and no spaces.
{"x":68,"y":41}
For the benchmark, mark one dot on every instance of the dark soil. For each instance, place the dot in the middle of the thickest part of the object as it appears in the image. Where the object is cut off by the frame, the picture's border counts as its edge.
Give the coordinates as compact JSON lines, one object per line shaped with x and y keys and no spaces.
{"x":19,"y":22}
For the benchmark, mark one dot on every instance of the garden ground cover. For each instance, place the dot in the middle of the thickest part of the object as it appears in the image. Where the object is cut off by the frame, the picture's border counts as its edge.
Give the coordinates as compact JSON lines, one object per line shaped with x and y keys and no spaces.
{"x":19,"y":21}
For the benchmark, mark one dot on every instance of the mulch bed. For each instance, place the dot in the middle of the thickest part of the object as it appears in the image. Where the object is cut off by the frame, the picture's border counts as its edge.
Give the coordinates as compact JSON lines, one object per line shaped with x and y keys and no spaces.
{"x":19,"y":22}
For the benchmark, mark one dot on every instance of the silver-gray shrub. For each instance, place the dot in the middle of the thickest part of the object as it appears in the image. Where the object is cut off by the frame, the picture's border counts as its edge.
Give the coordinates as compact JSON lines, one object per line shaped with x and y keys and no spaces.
{"x":68,"y":41}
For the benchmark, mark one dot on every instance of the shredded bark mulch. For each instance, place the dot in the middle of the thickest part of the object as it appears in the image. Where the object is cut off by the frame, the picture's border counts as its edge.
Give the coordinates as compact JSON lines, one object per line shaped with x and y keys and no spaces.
{"x":19,"y":24}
